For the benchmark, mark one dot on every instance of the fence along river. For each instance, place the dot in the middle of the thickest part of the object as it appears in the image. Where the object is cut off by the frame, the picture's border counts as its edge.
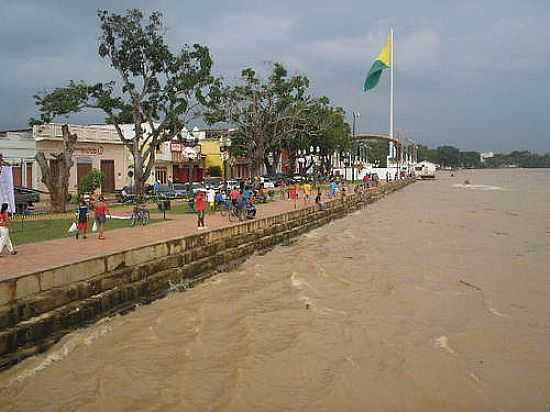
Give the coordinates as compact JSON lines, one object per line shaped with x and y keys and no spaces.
{"x":435,"y":298}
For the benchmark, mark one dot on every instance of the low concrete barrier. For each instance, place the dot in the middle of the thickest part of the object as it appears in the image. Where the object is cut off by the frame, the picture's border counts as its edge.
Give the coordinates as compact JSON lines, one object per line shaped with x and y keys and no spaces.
{"x":37,"y":309}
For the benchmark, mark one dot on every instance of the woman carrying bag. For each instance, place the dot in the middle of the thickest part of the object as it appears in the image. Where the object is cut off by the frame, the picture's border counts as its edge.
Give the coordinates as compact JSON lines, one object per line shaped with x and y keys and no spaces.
{"x":5,"y":240}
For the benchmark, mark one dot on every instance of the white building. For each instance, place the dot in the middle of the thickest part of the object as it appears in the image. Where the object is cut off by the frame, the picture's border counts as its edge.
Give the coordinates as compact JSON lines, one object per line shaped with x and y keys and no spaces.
{"x":18,"y":149}
{"x":486,"y":155}
{"x":96,"y":148}
{"x":425,"y":170}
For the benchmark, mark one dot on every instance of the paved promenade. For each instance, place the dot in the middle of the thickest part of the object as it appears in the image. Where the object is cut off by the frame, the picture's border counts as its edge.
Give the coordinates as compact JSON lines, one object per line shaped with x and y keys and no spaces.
{"x":38,"y":256}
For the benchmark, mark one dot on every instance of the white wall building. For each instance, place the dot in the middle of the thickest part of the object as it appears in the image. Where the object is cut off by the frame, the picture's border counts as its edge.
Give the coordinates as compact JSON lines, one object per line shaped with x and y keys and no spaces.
{"x":485,"y":156}
{"x":18,"y":149}
{"x":425,"y":170}
{"x":96,"y":148}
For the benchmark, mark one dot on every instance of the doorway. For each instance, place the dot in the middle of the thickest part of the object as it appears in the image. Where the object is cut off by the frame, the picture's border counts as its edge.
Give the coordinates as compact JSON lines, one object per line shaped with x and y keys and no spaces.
{"x":108,"y":171}
{"x":82,"y":169}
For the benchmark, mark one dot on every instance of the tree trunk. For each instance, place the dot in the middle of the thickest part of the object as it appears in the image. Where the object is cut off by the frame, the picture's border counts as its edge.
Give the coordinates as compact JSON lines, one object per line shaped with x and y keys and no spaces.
{"x":268,"y":167}
{"x":139,"y":176}
{"x":55,"y":174}
{"x":291,"y":164}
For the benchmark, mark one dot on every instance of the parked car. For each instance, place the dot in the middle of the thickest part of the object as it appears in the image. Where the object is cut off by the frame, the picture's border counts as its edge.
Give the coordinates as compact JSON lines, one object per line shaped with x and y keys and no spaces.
{"x":182,"y":190}
{"x":25,"y":198}
{"x":268,"y":183}
{"x":196,"y":186}
{"x":233,"y":184}
{"x":165,"y":192}
{"x":215,"y":183}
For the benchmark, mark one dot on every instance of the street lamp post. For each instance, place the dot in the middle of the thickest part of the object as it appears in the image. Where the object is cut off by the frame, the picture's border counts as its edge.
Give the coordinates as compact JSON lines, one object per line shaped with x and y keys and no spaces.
{"x":225,"y":146}
{"x":352,"y":161}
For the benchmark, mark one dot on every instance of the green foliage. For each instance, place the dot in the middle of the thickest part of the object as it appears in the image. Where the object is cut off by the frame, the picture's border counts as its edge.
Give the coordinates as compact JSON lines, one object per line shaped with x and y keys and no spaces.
{"x":214,"y":171}
{"x":163,"y":89}
{"x":61,"y":101}
{"x":91,"y":182}
{"x":276,"y":113}
{"x":448,"y":156}
{"x":522,"y":158}
{"x":264,"y":111}
{"x":377,"y":152}
{"x":425,"y":153}
{"x":470,"y":159}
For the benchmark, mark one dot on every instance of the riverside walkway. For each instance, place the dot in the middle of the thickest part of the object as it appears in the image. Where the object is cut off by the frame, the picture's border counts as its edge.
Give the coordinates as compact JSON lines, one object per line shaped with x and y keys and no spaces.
{"x":45,"y":255}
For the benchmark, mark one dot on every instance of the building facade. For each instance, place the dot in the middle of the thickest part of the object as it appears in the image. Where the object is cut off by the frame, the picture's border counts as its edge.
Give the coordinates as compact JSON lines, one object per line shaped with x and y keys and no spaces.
{"x":18,"y":149}
{"x":97,"y":147}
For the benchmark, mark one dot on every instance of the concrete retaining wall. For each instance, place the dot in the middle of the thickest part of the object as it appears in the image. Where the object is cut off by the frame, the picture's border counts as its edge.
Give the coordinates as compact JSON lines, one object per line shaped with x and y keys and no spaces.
{"x":37,"y":309}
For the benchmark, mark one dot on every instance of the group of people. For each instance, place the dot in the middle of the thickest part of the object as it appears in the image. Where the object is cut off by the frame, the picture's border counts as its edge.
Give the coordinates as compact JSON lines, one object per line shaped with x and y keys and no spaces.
{"x":370,"y":180}
{"x":100,"y":210}
{"x":243,"y":199}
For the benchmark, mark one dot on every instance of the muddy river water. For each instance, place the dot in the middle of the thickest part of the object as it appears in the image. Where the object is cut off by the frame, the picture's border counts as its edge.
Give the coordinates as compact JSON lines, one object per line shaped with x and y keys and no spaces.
{"x":436,"y":298}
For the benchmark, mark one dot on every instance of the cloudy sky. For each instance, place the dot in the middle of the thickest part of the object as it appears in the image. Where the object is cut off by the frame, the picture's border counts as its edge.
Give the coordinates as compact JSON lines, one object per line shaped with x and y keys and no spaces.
{"x":471,"y":73}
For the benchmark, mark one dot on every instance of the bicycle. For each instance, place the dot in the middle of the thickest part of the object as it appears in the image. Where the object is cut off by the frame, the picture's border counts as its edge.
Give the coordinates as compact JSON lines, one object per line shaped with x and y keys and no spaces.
{"x":140,"y":214}
{"x":229,"y":210}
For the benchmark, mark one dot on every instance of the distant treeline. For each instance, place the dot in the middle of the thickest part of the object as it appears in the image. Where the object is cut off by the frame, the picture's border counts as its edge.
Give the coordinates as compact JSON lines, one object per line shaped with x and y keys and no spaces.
{"x":451,"y":156}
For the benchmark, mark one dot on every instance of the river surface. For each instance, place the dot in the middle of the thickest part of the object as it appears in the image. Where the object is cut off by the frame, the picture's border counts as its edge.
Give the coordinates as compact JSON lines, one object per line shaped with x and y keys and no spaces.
{"x":436,"y":298}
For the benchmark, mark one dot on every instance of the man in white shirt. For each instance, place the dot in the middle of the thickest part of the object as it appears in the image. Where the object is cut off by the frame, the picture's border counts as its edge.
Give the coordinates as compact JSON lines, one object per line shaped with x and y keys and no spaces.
{"x":211,"y":198}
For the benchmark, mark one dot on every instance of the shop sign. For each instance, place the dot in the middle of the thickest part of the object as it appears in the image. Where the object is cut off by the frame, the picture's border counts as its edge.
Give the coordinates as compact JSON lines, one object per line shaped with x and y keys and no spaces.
{"x":176,"y":147}
{"x":88,"y":151}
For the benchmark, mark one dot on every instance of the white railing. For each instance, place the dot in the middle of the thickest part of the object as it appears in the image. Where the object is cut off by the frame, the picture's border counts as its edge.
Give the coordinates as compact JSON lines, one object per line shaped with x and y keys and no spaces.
{"x":96,"y":134}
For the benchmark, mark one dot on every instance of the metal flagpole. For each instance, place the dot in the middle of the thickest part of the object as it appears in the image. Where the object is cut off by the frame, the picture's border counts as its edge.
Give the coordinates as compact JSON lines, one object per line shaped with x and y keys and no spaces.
{"x":394,"y":148}
{"x":391,"y":82}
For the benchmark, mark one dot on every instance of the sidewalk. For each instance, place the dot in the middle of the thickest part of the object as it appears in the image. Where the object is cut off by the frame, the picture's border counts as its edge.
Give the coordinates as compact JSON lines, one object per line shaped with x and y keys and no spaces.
{"x":33,"y":257}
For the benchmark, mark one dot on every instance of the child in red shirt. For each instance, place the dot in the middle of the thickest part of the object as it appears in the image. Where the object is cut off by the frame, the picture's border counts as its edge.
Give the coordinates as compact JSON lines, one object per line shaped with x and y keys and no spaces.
{"x":200,"y":206}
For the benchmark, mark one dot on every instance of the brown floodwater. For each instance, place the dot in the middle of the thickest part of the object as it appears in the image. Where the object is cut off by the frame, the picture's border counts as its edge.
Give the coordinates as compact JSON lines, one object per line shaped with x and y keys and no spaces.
{"x":435,"y":298}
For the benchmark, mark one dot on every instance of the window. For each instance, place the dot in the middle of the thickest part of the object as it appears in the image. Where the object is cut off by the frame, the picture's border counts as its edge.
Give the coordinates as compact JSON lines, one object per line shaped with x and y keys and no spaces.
{"x":161,"y":174}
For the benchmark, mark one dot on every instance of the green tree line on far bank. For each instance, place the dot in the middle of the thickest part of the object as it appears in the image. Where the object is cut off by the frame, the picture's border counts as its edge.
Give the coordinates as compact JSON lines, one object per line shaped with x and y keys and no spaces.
{"x":449,"y":156}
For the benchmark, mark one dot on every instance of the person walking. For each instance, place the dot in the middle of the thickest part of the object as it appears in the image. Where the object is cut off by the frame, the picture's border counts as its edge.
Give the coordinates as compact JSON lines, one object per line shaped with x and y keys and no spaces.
{"x":293,"y":190}
{"x":200,"y":207}
{"x":156,"y":188}
{"x":307,"y":192}
{"x":333,"y":188}
{"x":211,"y":198}
{"x":234,"y":195}
{"x":82,"y":219}
{"x":5,"y":240}
{"x":101,"y":211}
{"x":318,"y":197}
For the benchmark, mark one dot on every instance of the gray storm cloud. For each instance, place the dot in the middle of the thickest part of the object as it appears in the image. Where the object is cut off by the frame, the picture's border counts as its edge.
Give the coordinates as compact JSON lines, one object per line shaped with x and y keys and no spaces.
{"x":472,"y":74}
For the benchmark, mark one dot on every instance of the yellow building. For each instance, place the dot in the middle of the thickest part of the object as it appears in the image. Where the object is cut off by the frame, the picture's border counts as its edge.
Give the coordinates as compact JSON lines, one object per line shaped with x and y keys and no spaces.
{"x":210,"y":147}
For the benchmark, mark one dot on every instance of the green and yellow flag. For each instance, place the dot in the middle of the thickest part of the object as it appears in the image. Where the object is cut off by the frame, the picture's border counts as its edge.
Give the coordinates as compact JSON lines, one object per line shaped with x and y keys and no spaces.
{"x":383,"y":61}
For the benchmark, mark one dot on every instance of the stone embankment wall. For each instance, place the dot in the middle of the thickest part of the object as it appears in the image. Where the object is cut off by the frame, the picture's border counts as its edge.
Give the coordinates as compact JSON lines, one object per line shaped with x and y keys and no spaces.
{"x":37,"y":309}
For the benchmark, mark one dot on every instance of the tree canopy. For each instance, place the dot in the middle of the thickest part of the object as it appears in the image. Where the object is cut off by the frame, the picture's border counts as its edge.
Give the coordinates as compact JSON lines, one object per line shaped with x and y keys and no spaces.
{"x":276,"y":113}
{"x":157,"y":90}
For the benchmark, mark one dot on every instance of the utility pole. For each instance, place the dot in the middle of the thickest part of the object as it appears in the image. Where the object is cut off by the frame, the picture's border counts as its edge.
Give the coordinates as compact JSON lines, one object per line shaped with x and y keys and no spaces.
{"x":352,"y":160}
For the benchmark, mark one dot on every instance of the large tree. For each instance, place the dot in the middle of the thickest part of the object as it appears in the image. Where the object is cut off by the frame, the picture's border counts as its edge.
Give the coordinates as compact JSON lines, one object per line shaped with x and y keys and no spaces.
{"x":449,"y":156}
{"x":56,"y":168}
{"x":264,"y":112}
{"x":320,"y":126}
{"x":56,"y":171}
{"x":158,"y":91}
{"x":378,"y":152}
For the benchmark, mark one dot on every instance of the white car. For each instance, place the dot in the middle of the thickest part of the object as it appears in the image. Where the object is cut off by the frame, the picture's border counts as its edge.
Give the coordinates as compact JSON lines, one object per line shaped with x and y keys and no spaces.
{"x":233,"y":184}
{"x":268,"y":183}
